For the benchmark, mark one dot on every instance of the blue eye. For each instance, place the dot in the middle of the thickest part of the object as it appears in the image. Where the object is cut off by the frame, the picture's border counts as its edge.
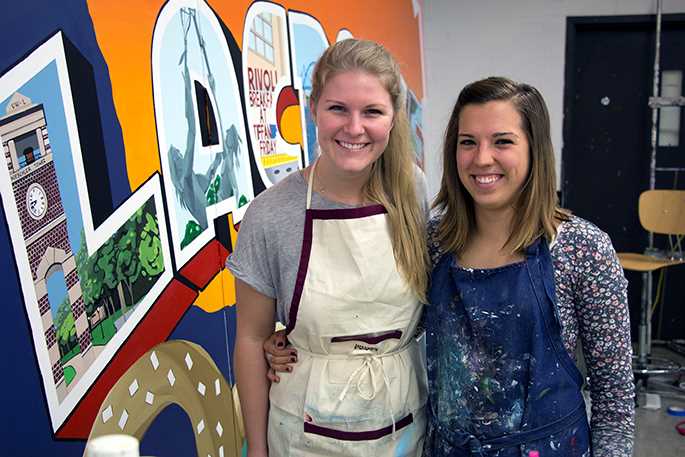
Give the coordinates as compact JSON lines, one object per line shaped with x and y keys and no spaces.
{"x":336,"y":108}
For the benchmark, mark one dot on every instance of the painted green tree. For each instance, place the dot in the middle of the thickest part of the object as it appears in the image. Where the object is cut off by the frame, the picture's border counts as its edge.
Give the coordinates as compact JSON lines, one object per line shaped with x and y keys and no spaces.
{"x":65,"y":328}
{"x":193,"y":230}
{"x":91,"y":287}
{"x":121,"y":271}
{"x":213,"y":191}
{"x":127,"y":265}
{"x":105,"y":267}
{"x":150,"y":249}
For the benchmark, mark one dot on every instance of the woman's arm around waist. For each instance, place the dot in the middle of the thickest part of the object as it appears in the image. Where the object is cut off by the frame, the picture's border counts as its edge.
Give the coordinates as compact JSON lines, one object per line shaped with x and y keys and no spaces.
{"x":255,"y":322}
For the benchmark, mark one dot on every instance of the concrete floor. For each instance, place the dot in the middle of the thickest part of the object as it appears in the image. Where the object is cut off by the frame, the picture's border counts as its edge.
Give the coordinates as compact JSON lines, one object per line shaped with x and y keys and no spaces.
{"x":655,"y":433}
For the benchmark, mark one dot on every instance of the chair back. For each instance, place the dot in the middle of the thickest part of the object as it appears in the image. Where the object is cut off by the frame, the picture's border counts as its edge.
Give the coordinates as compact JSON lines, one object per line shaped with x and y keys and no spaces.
{"x":663,"y":211}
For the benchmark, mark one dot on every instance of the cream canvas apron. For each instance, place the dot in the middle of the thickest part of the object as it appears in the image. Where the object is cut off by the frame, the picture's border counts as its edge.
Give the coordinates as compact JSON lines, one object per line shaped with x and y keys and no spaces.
{"x":359,"y":386}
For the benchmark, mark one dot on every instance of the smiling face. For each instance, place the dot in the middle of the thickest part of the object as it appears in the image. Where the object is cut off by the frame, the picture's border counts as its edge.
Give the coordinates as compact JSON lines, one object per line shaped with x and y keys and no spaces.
{"x":354,"y":117}
{"x":493,"y":154}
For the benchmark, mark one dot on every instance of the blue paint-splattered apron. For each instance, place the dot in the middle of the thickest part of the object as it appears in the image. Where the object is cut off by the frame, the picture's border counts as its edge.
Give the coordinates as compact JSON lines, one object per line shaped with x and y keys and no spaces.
{"x":501,"y":382}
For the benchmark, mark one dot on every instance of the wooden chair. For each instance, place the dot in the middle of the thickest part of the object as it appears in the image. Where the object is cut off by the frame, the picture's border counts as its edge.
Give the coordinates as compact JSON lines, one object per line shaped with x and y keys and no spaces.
{"x":661,"y":212}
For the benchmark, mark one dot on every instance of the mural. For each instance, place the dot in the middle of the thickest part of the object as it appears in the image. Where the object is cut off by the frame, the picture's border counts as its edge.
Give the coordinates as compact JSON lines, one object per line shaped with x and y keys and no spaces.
{"x":135,"y":136}
{"x":199,"y":122}
{"x":274,"y":127}
{"x":415,"y":115}
{"x":309,"y":42}
{"x":81,"y":302}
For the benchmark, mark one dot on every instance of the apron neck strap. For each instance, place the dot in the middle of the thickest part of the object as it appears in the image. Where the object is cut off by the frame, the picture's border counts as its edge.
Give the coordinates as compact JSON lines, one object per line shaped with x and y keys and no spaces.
{"x":537,"y":247}
{"x":310,"y":183}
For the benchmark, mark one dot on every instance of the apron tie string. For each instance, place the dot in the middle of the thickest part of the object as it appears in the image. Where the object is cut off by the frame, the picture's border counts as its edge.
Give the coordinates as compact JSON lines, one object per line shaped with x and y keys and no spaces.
{"x":365,"y":370}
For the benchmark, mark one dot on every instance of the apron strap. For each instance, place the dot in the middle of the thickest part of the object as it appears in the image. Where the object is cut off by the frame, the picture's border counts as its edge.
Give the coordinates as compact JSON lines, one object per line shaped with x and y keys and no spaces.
{"x":310,"y":184}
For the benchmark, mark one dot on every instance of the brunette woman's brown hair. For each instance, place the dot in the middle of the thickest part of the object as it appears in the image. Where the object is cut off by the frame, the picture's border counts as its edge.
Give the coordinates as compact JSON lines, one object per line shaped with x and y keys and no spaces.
{"x":537,"y":212}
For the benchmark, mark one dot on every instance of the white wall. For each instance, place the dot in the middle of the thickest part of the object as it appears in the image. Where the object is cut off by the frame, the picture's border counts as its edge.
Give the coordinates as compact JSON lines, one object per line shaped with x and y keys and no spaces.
{"x":466,"y":40}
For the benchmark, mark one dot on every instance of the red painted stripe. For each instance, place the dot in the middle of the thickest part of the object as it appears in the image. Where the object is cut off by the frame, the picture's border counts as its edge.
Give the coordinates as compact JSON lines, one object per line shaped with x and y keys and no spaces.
{"x":155,"y":328}
{"x":205,"y":264}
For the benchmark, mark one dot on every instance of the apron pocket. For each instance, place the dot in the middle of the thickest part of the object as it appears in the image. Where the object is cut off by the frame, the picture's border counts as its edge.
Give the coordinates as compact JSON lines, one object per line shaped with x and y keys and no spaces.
{"x":568,"y":436}
{"x":369,"y":343}
{"x":370,"y":390}
{"x":573,"y":442}
{"x":357,"y":440}
{"x":357,"y":435}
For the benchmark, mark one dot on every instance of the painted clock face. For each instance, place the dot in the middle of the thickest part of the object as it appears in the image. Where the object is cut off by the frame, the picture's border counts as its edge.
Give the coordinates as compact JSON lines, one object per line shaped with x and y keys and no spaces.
{"x":36,"y":201}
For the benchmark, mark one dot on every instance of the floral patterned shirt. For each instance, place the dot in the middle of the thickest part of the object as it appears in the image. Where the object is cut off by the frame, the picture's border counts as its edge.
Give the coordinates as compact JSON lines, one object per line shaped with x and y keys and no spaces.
{"x":593,"y":306}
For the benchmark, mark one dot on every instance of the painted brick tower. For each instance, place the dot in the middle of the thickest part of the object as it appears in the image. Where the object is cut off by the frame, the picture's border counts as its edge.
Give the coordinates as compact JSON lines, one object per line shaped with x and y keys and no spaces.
{"x":29,"y":160}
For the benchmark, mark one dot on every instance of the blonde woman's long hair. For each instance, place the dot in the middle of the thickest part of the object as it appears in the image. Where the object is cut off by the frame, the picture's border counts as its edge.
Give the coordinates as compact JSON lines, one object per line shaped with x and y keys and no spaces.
{"x":537,"y":212}
{"x":392,"y":180}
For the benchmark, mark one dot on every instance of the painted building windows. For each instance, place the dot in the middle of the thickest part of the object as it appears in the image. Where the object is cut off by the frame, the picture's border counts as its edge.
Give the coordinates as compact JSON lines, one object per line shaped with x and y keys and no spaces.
{"x":205,"y":114}
{"x":28,"y":150}
{"x":261,"y":36}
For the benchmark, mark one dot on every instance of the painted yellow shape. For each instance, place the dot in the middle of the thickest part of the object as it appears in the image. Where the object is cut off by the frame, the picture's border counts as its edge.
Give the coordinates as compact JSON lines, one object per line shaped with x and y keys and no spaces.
{"x":232,"y":230}
{"x":291,"y":125}
{"x":273,"y":160}
{"x":220,"y":292}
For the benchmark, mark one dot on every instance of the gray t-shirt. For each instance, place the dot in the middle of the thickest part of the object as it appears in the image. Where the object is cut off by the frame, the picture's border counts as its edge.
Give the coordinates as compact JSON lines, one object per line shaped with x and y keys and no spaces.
{"x":267,"y":253}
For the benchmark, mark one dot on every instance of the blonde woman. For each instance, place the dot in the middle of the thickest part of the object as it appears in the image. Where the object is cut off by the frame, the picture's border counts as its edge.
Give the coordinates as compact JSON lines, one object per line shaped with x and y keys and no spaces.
{"x":337,"y":253}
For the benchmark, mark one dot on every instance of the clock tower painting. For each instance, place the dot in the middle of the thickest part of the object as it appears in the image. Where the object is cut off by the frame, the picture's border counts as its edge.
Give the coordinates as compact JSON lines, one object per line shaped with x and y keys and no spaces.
{"x":29,"y":160}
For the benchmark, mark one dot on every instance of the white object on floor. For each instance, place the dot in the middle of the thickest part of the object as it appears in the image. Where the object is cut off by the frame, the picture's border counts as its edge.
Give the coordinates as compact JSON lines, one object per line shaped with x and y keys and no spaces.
{"x":652,"y":401}
{"x":113,"y":446}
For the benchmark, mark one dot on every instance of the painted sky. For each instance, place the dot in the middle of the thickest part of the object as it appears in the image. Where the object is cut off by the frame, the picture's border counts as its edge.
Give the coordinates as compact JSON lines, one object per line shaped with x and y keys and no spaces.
{"x":44,"y":88}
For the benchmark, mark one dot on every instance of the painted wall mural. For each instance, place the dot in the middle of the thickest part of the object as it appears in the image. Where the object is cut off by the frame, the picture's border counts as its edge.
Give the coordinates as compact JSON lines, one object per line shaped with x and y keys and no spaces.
{"x":135,"y":135}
